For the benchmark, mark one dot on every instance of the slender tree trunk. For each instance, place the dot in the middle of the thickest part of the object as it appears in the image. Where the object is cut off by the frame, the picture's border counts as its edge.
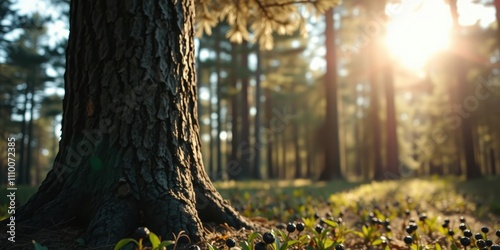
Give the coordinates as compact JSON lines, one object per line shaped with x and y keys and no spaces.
{"x":258,"y":143}
{"x":374,"y":114}
{"x":219,"y":170}
{"x":391,"y":124}
{"x":284,"y":168}
{"x":461,"y":86}
{"x":296,"y":143}
{"x":55,"y":139}
{"x":199,"y":73}
{"x":245,"y":147}
{"x":211,"y":169}
{"x":29,"y":149}
{"x":309,"y":150}
{"x":38,"y":167}
{"x":358,"y":148}
{"x":331,"y":168}
{"x":270,"y":137}
{"x":372,"y":161}
{"x":235,"y":140}
{"x":130,"y":152}
{"x":493,"y":162}
{"x":22,"y":147}
{"x":497,"y":15}
{"x":277,"y":157}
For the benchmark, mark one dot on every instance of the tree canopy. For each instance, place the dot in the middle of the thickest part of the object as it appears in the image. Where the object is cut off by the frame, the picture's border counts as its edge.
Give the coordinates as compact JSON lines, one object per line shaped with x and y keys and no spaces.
{"x":258,"y":20}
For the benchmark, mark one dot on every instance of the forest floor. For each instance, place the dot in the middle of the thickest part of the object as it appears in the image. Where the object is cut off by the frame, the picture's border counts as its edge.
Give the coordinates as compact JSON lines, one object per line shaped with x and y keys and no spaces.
{"x":364,"y":215}
{"x":356,"y":214}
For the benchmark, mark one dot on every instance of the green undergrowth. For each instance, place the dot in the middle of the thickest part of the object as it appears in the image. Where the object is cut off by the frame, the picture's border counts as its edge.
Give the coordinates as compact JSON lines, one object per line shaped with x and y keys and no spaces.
{"x":421,"y":213}
{"x":283,"y":200}
{"x":425,"y":213}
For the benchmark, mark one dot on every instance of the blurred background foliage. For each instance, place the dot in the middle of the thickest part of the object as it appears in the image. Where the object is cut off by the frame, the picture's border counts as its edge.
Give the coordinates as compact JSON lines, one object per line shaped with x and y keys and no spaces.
{"x":370,"y":90}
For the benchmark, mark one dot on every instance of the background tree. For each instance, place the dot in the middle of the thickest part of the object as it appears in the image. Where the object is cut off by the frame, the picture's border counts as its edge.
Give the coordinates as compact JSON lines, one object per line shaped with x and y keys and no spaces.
{"x":461,"y":87}
{"x":332,"y":168}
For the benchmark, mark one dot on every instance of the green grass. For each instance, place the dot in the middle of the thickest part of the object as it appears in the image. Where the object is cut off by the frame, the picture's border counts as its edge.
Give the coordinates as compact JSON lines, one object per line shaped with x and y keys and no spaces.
{"x":360,"y":205}
{"x":446,"y":194}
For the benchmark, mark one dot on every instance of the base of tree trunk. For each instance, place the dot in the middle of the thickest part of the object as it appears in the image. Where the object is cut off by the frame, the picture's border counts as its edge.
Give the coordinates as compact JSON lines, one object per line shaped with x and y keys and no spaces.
{"x":103,"y":221}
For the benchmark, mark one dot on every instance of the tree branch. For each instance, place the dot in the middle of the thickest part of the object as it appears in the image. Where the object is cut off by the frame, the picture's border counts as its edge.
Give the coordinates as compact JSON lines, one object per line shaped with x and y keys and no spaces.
{"x":263,"y":8}
{"x":276,"y":4}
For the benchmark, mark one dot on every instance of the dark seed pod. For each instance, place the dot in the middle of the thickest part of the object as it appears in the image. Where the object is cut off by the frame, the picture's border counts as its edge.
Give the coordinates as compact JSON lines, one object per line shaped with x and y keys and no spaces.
{"x":478,"y":236}
{"x":467,"y":233}
{"x":318,"y":228}
{"x":339,"y":247}
{"x":408,"y":239}
{"x":465,"y":241}
{"x":300,"y":226}
{"x":462,"y":219}
{"x":230,"y":242}
{"x":268,"y":238}
{"x":480,"y":243}
{"x":488,"y":242}
{"x":260,"y":246}
{"x":141,"y":233}
{"x":409,"y":229}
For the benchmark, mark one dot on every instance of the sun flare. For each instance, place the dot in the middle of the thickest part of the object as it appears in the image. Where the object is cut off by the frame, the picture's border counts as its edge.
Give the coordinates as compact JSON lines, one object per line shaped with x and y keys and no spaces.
{"x":418,"y":30}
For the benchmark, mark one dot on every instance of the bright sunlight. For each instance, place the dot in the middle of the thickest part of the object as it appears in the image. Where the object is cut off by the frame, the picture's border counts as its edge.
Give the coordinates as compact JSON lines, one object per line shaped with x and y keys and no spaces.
{"x":420,"y":29}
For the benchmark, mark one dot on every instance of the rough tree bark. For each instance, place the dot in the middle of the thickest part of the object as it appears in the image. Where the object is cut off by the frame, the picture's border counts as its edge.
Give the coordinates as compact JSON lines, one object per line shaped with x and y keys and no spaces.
{"x":130,"y":149}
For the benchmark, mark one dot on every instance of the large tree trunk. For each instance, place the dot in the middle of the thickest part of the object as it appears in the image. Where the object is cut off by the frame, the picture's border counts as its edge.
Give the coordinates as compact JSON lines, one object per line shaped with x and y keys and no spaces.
{"x":130,"y":148}
{"x":331,"y":168}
